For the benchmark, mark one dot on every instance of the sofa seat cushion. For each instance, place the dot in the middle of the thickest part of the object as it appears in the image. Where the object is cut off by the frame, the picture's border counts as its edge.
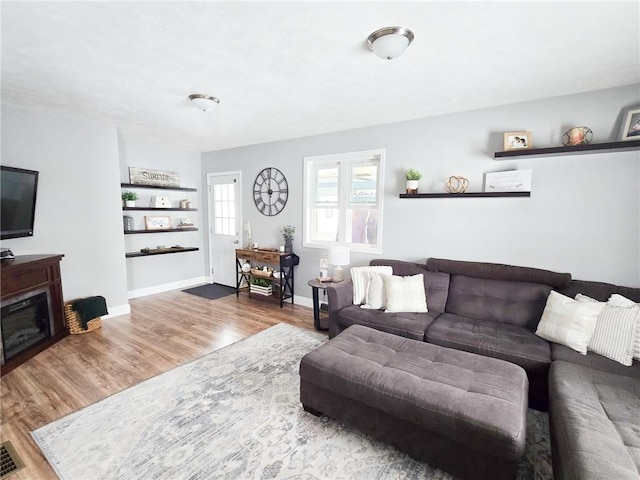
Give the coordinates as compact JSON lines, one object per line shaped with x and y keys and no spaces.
{"x":595,"y":423}
{"x":409,"y":325}
{"x":492,"y":339}
{"x":594,"y":360}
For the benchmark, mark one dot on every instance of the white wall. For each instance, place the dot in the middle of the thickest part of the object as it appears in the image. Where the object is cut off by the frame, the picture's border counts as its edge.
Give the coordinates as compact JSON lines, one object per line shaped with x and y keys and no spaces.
{"x":161,"y":272}
{"x":583,"y":215}
{"x":78,"y":212}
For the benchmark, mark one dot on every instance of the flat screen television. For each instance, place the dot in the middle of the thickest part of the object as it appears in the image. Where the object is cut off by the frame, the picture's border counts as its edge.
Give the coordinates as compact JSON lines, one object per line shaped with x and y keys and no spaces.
{"x":18,"y":189}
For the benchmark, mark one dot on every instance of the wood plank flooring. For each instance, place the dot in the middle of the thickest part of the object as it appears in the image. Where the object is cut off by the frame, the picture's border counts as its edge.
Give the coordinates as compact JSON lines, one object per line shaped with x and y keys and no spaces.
{"x":162,"y":332}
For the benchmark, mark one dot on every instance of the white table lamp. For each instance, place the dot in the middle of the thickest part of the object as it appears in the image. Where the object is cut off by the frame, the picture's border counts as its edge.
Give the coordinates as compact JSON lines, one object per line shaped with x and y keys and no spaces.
{"x":339,"y":256}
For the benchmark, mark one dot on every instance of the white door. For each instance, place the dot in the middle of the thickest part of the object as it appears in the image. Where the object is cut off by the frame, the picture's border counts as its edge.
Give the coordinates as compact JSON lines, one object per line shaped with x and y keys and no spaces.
{"x":224,"y":225}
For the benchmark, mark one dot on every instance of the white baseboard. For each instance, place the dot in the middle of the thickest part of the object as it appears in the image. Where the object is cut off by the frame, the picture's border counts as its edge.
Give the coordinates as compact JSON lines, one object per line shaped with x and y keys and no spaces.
{"x":304,"y":301}
{"x":117,"y":311}
{"x":143,"y":292}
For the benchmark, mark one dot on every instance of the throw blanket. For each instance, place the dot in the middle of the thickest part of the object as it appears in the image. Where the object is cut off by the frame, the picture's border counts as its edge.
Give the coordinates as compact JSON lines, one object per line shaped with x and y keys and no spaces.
{"x":89,"y":308}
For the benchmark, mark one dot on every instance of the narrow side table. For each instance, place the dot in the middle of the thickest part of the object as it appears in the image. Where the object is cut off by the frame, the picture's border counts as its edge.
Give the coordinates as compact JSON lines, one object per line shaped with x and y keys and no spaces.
{"x":316,"y":286}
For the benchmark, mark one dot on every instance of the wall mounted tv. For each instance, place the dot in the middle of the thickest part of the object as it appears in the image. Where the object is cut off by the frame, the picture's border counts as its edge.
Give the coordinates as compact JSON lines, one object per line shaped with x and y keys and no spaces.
{"x":18,"y":189}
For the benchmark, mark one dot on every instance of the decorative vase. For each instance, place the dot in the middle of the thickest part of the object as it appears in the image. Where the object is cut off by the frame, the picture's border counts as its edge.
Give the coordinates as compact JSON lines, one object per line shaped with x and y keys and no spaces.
{"x":288,"y":246}
{"x":129,"y":203}
{"x":412,"y":186}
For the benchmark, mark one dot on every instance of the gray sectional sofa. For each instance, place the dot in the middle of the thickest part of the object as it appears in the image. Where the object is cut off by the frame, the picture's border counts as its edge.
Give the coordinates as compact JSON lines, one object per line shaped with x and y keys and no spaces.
{"x":493,"y":310}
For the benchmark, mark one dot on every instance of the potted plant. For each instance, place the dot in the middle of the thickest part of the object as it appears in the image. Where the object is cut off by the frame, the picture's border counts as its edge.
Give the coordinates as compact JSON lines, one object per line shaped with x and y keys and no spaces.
{"x":287,"y":233}
{"x":261,"y":286}
{"x":129,"y":199}
{"x":412,"y":180}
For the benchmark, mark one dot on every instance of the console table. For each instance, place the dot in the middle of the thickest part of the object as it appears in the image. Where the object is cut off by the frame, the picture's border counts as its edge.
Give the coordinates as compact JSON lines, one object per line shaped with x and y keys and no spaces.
{"x":31,"y":273}
{"x":284,"y":261}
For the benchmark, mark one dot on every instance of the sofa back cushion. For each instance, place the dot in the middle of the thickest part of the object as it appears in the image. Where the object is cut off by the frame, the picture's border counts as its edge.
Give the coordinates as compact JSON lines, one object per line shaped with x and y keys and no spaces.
{"x":436,"y":285}
{"x":516,"y":303}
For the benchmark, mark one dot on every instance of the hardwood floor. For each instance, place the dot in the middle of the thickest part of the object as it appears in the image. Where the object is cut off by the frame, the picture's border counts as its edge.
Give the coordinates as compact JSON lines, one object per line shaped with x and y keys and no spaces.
{"x":162,"y":332}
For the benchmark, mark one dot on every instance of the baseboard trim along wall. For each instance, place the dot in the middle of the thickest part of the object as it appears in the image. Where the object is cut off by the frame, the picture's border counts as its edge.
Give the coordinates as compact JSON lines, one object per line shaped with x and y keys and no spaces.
{"x":190,"y":282}
{"x":117,"y":311}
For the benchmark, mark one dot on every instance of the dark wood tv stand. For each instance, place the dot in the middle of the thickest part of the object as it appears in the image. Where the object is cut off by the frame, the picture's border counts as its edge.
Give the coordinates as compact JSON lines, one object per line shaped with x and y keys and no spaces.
{"x":26,"y":273}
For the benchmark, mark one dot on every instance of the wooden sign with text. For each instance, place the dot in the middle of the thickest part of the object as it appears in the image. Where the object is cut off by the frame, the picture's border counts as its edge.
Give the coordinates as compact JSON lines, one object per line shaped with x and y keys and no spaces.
{"x":147,"y":176}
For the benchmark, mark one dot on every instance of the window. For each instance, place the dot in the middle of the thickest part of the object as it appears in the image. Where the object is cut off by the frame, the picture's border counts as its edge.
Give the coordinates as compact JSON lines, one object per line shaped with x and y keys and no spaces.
{"x":343,"y":201}
{"x":224,"y":209}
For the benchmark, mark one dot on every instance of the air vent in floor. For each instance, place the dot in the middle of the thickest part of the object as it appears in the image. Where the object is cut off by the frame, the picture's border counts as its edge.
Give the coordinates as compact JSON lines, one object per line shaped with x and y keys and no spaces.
{"x":10,"y":462}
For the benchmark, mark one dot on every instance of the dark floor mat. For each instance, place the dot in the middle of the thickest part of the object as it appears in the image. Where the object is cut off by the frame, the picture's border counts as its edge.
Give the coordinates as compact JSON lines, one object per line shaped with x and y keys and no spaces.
{"x":212,"y":291}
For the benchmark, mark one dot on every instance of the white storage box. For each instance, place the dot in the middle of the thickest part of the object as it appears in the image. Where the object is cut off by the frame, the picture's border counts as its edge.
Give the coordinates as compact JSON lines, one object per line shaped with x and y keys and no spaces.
{"x":160,"y":202}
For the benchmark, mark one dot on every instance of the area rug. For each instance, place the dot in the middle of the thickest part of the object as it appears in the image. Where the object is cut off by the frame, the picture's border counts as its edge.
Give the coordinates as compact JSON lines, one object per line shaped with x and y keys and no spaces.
{"x":212,"y":291}
{"x":235,"y":414}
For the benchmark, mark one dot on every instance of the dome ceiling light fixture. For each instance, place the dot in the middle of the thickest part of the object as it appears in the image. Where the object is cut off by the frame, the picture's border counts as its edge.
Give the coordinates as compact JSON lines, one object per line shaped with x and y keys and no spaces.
{"x":205,"y":103}
{"x":390,"y":42}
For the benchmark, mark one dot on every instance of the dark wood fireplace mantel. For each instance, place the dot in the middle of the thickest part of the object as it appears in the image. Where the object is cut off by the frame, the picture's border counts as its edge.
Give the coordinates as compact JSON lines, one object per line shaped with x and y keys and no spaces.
{"x":26,"y":273}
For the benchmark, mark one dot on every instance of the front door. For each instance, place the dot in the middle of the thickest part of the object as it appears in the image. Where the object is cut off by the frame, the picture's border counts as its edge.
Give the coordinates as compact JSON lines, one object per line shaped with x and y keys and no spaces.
{"x":224,"y":225}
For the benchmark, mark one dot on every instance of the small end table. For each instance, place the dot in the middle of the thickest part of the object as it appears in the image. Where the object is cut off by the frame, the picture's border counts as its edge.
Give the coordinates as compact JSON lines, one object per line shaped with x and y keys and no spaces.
{"x":317,"y":285}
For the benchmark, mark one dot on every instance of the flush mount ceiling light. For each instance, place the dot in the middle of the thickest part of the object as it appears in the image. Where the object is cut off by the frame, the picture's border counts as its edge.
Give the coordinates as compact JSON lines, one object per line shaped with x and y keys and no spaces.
{"x":390,"y":42}
{"x":204,"y":102}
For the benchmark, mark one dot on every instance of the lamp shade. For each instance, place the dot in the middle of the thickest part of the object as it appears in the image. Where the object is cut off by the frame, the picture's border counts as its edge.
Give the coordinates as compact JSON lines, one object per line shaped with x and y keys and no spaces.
{"x":390,"y":42}
{"x":339,"y":256}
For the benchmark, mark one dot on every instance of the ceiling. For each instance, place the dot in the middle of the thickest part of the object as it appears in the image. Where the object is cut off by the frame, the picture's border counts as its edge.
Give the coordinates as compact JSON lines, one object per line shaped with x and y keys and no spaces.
{"x":291,"y":69}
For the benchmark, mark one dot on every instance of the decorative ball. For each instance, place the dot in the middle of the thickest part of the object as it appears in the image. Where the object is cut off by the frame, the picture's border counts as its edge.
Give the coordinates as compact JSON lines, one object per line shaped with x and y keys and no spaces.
{"x":246,"y":267}
{"x":456,"y":184}
{"x":577,"y":136}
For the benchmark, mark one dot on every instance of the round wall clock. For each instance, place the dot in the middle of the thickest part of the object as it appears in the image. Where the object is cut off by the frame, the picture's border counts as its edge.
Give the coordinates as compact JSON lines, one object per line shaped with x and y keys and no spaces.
{"x":270,"y":191}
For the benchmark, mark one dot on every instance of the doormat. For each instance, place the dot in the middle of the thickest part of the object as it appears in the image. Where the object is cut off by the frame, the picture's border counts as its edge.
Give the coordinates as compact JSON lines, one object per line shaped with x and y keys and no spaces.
{"x":212,"y":291}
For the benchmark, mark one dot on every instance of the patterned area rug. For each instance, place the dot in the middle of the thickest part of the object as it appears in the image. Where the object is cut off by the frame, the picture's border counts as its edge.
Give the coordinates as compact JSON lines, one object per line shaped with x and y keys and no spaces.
{"x":235,"y":414}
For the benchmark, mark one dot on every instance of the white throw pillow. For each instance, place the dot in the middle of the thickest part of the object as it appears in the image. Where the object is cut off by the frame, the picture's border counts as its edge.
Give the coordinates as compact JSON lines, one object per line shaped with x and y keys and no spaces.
{"x":376,"y":296}
{"x":615,"y":333}
{"x":405,"y":294}
{"x":569,"y":322}
{"x":360,"y":278}
{"x":617,"y":300}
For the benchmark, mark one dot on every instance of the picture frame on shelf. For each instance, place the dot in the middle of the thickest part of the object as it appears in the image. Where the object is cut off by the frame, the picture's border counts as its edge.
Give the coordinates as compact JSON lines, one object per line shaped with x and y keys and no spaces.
{"x":157,"y":222}
{"x":518,"y":141}
{"x":630,"y":129}
{"x":508,"y":181}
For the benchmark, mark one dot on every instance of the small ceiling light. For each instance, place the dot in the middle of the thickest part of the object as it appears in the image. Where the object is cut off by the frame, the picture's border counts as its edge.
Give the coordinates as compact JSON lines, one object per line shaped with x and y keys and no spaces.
{"x":204,"y":102}
{"x":390,"y":42}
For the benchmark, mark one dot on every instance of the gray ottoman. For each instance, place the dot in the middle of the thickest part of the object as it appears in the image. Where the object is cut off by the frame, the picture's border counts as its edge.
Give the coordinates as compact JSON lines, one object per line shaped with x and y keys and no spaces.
{"x":458,"y":411}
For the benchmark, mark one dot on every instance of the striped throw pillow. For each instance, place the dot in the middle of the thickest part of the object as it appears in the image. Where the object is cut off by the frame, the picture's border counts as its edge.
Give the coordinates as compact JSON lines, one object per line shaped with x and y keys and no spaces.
{"x":360,"y":279}
{"x":617,"y":300}
{"x":616,"y":331}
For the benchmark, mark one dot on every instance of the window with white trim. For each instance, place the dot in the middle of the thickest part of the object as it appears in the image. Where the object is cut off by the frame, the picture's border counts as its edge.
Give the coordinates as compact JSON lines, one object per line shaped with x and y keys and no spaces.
{"x":343,"y":201}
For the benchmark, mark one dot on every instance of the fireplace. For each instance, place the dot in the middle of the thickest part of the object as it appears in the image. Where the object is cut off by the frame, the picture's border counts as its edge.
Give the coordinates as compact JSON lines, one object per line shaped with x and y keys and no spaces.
{"x":32,"y":312}
{"x":25,"y":321}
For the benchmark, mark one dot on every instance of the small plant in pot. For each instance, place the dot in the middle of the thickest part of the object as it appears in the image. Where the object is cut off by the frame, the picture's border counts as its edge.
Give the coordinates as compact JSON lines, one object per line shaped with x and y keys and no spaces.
{"x":129,"y":199}
{"x":413,"y":176}
{"x":287,"y":233}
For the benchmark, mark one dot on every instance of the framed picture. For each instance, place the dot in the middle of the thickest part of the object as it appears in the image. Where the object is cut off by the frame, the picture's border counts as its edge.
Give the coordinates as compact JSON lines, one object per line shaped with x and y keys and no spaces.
{"x":157,"y":222}
{"x":509,"y":181}
{"x":630,"y":125}
{"x":517,"y":140}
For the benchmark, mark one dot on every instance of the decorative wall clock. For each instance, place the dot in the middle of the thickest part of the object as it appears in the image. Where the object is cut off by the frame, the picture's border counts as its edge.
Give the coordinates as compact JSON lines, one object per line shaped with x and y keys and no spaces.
{"x":270,"y":191}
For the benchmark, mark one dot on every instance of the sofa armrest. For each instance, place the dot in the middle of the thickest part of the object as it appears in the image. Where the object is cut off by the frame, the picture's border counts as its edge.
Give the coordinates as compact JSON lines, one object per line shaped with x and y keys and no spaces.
{"x":340,"y":295}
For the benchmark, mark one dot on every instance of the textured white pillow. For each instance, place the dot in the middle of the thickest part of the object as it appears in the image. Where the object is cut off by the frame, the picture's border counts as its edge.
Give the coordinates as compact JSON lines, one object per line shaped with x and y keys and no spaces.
{"x":376,"y":296}
{"x":617,"y":300}
{"x":405,"y":294}
{"x":569,"y":322}
{"x":360,"y":278}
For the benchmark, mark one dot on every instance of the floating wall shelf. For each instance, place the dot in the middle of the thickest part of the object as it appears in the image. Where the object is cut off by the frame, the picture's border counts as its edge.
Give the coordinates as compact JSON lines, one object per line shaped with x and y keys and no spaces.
{"x":162,"y":230}
{"x":624,"y":146}
{"x":164,"y":252}
{"x":157,"y":187}
{"x":161,"y":208}
{"x":465,"y":195}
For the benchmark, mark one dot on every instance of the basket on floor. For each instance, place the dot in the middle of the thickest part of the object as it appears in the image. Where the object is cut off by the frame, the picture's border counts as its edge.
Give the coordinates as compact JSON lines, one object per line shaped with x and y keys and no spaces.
{"x":74,"y":323}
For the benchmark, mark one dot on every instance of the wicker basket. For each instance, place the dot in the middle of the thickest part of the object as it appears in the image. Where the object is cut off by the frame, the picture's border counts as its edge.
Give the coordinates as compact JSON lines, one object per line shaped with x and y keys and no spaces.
{"x":74,"y":323}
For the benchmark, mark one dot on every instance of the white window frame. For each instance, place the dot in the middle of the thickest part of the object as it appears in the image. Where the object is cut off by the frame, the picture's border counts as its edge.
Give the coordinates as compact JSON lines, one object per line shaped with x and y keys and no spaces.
{"x":344,"y":161}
